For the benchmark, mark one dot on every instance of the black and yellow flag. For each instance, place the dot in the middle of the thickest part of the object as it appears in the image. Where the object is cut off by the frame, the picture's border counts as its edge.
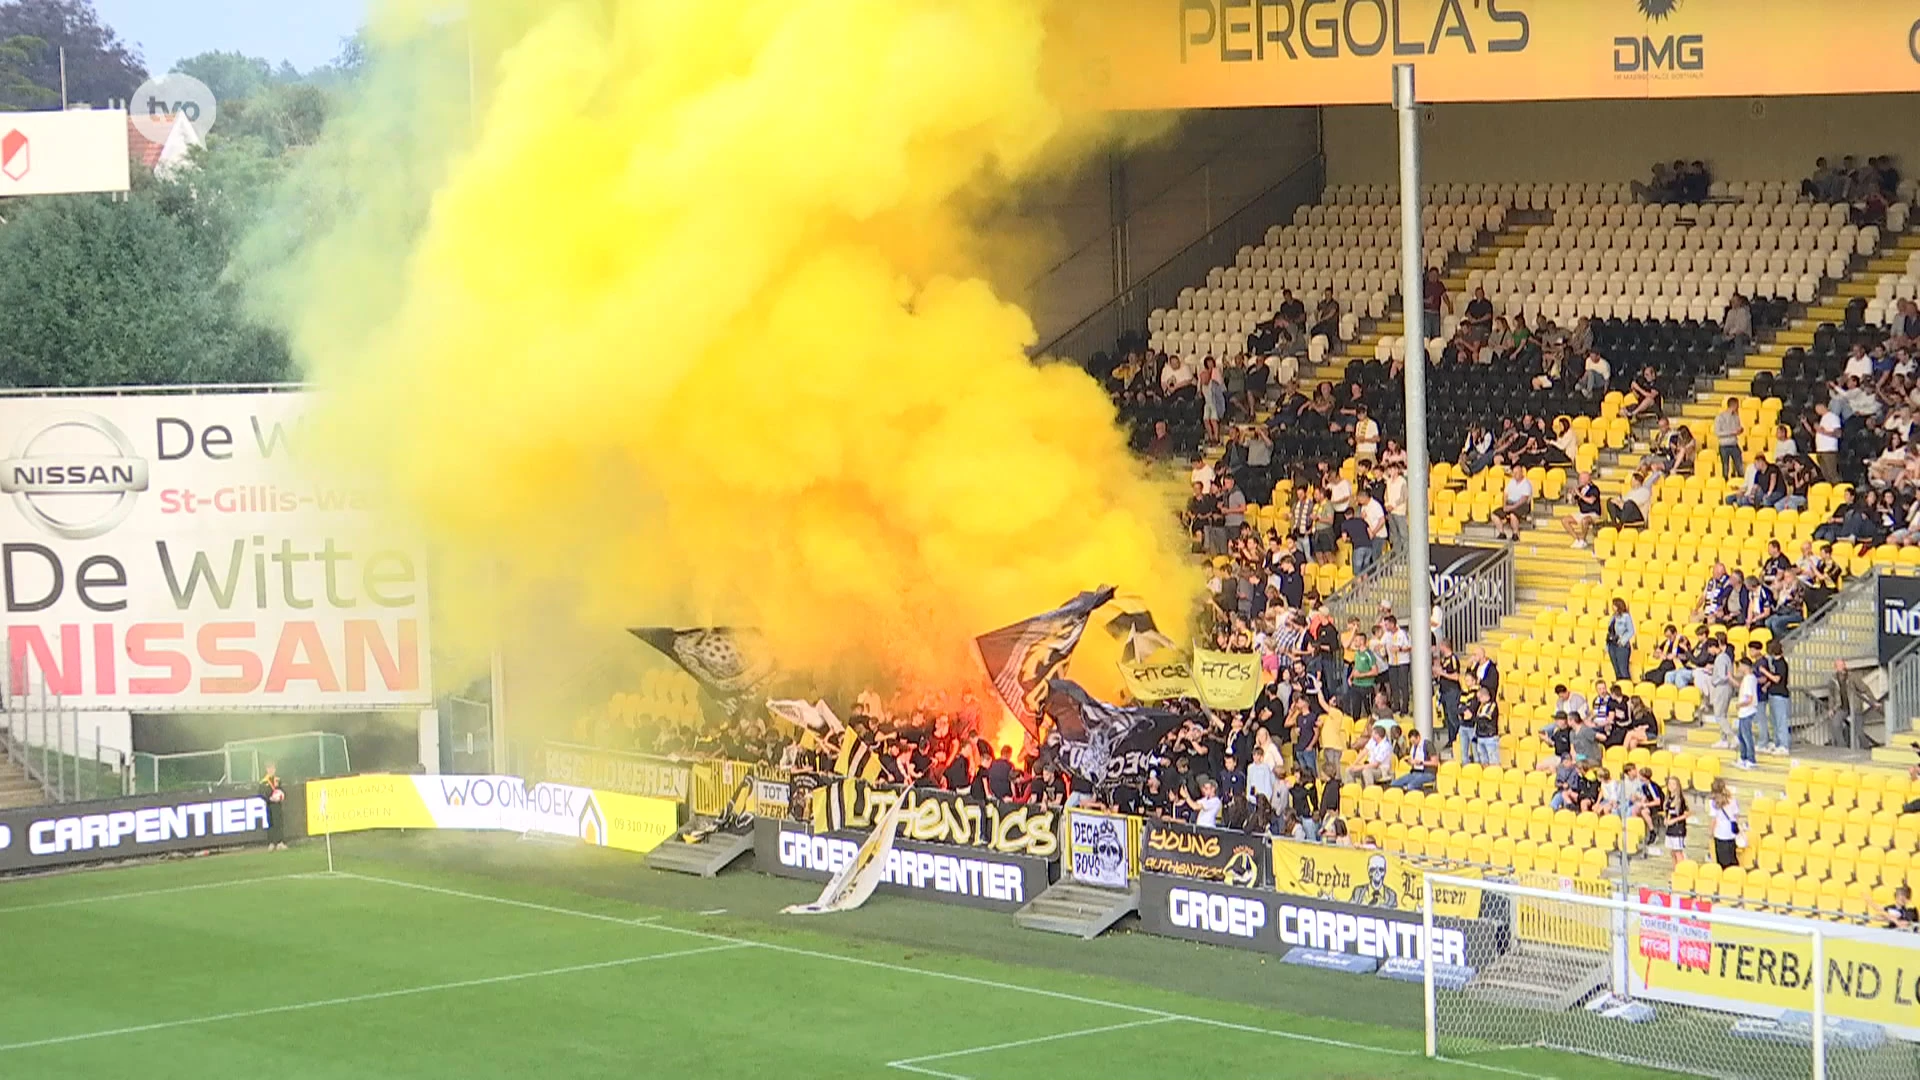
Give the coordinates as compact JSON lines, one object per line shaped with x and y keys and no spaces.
{"x":732,"y":665}
{"x":1021,"y":658}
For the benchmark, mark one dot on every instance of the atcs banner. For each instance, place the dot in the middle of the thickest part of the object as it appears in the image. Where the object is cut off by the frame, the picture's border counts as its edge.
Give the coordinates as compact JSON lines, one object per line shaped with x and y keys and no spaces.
{"x":1367,"y":878}
{"x":1226,"y":680}
{"x":1162,"y":677}
{"x":1180,"y":850}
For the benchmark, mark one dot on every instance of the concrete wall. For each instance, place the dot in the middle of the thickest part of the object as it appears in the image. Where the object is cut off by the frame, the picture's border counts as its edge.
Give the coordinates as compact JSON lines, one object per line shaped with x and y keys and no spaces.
{"x":1213,"y":162}
{"x":1741,"y":138}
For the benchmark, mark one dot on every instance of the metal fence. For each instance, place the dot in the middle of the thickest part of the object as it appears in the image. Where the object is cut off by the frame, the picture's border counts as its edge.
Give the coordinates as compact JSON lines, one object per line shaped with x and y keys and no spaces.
{"x":1160,"y":287}
{"x":308,"y":755}
{"x":1903,"y":690}
{"x":59,"y":748}
{"x":1846,"y":628}
{"x":1476,"y":602}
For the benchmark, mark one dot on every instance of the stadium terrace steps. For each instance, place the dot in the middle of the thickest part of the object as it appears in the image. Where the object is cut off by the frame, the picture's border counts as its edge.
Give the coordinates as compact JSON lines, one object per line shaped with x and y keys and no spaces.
{"x":1545,"y":978}
{"x":1084,"y":911}
{"x":17,"y":789}
{"x":705,"y":859}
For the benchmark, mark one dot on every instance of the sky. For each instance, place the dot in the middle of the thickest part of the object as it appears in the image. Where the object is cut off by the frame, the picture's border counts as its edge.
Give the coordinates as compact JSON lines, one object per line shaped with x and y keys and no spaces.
{"x":306,"y":32}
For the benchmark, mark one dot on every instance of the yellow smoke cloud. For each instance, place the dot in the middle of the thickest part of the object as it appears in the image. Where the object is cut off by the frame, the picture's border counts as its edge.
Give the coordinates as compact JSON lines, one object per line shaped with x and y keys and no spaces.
{"x":696,"y":329}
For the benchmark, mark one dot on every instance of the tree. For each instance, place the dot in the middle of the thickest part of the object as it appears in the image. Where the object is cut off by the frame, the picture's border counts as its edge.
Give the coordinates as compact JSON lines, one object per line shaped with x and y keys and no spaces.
{"x":100,"y":67}
{"x":17,"y":88}
{"x":282,"y":116}
{"x":233,"y":77}
{"x":136,"y":292}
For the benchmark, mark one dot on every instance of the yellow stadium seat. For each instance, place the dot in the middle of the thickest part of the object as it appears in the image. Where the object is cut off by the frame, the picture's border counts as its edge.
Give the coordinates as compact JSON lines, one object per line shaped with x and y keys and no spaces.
{"x":1683,"y":879}
{"x":1593,"y":864}
{"x":1503,"y":848}
{"x":1819,"y":862}
{"x":1562,"y":826}
{"x":1480,"y":849}
{"x":1797,"y":779}
{"x":1459,"y":847}
{"x":1779,"y":896}
{"x":1369,"y":803}
{"x":1805,"y":897}
{"x":1880,"y":831}
{"x":1392,"y":800}
{"x":1859,"y":825}
{"x":1395,"y":837}
{"x":1793,"y":856}
{"x":1567,"y":864}
{"x":1760,"y":815}
{"x":1897,"y":869}
{"x":1470,"y":780}
{"x":1833,"y":825}
{"x":1753,"y":892}
{"x":1540,"y":824}
{"x":1473,"y":814}
{"x":1871,"y":867}
{"x":1768,"y":852}
{"x":1524,"y":852}
{"x":1906,"y":833}
{"x":1872,"y":791}
{"x":1845,"y":864}
{"x":1706,"y":879}
{"x":1807,"y":823}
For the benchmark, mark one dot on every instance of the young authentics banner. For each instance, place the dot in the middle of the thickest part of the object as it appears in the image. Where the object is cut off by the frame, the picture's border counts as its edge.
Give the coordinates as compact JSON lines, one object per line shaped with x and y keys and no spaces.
{"x":973,"y":876}
{"x":1180,"y":850}
{"x":1367,"y":878}
{"x":489,"y":803}
{"x":939,"y":817}
{"x":183,"y":552}
{"x":1688,"y":959}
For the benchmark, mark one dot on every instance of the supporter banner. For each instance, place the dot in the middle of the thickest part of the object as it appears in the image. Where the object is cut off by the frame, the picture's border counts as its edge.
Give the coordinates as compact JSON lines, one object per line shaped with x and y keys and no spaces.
{"x":1104,"y":744}
{"x":504,"y":803}
{"x":1191,"y":54}
{"x":940,"y":817}
{"x":1023,"y":657}
{"x":732,"y":665}
{"x":1899,"y":614}
{"x":1226,"y":680}
{"x":608,"y":770}
{"x":1872,"y":975}
{"x":42,"y":837}
{"x":1221,"y":914}
{"x":64,"y":153}
{"x":168,"y":553}
{"x":740,"y":787}
{"x":852,"y":885}
{"x":1180,"y":850}
{"x":1098,"y":852}
{"x":973,"y":876}
{"x":1163,"y":677}
{"x":1367,"y":878}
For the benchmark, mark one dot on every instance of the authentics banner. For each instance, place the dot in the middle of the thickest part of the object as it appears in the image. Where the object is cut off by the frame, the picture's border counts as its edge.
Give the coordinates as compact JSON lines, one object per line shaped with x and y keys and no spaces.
{"x":1180,"y":850}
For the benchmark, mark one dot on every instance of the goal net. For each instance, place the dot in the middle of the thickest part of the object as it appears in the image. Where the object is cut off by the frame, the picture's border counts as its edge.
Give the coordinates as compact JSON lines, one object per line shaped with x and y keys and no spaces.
{"x":1671,"y":984}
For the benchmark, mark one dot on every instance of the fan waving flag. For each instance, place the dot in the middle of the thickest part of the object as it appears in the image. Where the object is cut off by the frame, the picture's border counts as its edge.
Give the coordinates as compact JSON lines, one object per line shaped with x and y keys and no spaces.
{"x":1022,"y":658}
{"x":1103,"y":744}
{"x":731,"y":665}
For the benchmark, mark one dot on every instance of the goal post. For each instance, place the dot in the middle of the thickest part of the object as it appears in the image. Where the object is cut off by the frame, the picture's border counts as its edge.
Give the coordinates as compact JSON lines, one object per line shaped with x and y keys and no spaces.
{"x":1673,"y":984}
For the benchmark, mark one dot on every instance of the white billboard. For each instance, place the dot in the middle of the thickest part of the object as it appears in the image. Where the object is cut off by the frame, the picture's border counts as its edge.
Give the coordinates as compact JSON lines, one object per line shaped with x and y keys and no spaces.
{"x":63,"y":153}
{"x":170,"y":553}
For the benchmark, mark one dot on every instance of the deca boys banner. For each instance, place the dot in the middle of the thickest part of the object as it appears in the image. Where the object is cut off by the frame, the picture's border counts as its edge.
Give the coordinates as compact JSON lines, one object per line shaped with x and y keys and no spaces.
{"x":1184,"y":54}
{"x":171,"y":552}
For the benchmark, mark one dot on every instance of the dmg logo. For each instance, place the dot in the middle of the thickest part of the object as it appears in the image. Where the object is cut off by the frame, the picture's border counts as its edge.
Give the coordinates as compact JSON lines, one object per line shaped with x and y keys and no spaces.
{"x":1642,"y":54}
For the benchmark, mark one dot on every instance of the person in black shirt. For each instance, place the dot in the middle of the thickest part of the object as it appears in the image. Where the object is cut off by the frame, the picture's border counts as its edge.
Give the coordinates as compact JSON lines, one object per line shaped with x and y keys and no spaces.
{"x":1292,"y":584}
{"x":1901,"y":914}
{"x":999,"y":775}
{"x":958,"y":775}
{"x":1486,"y":727}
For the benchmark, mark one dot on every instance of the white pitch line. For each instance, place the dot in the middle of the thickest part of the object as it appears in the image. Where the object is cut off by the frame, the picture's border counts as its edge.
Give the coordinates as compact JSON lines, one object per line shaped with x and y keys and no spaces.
{"x":1058,"y":995}
{"x":382,"y":995}
{"x":79,"y":900}
{"x":909,"y":1063}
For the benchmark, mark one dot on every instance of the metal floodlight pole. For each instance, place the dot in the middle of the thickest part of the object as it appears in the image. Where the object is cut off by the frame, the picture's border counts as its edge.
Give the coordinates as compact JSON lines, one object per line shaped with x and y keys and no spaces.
{"x":1412,"y":292}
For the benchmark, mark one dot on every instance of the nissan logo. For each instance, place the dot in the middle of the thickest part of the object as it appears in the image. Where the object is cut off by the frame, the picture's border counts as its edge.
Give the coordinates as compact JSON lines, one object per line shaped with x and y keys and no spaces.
{"x":75,"y":475}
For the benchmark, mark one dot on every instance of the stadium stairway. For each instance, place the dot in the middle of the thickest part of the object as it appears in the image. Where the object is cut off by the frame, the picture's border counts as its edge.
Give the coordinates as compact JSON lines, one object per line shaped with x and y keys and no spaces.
{"x":17,"y":789}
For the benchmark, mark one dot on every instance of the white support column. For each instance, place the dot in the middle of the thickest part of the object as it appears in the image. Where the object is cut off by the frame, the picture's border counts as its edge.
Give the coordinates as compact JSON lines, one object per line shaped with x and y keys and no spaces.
{"x":1412,"y":293}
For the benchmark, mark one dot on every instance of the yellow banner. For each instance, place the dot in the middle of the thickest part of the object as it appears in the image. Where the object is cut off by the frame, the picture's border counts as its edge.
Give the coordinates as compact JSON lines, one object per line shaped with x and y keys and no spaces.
{"x":1872,"y":975}
{"x":635,"y":822}
{"x":1165,"y":675}
{"x":1185,"y":54}
{"x":358,"y":803}
{"x":746,"y":787}
{"x":1226,"y":680}
{"x":1372,"y":878}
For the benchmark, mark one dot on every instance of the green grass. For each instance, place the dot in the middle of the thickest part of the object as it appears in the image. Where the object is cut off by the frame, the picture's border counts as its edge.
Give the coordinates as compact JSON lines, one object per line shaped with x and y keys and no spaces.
{"x":445,"y":955}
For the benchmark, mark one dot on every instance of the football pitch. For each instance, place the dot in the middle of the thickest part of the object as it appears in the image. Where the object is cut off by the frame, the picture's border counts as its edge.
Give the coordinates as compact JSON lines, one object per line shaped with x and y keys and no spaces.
{"x":437,"y":955}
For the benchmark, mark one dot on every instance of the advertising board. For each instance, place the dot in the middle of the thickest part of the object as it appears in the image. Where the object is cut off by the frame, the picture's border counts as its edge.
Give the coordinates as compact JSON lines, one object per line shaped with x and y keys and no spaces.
{"x":74,"y":833}
{"x":489,"y":803}
{"x":172,"y":553}
{"x":972,"y":876}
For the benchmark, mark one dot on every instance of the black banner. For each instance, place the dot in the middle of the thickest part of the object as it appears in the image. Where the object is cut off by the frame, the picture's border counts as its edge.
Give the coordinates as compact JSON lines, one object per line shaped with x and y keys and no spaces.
{"x":1022,"y":658}
{"x":939,"y":817}
{"x":971,"y":876}
{"x":1277,"y":923}
{"x":75,"y":833}
{"x":1188,"y":851}
{"x":732,"y":665}
{"x":1899,"y":614}
{"x":1104,"y":744}
{"x":607,"y":770}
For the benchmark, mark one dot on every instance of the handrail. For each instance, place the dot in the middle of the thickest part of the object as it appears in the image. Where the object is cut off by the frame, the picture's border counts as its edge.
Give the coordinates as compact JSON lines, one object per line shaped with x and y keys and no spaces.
{"x":1161,"y":286}
{"x":1903,"y":690}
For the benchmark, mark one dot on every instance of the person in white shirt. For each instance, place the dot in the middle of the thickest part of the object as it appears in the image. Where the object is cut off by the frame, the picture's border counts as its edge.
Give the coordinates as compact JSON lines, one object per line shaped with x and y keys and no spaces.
{"x":1826,"y":441}
{"x":1596,"y":375}
{"x":1859,"y":364}
{"x":1376,"y":761}
{"x":1396,"y":505}
{"x":1399,"y":656}
{"x":1726,"y":824}
{"x":1747,"y":709}
{"x":1202,"y":472}
{"x":1366,"y":437}
{"x":1261,"y":783}
{"x":1340,"y":494}
{"x":1517,"y":508}
{"x":1177,"y":375}
{"x":1206,"y":809}
{"x":1375,"y":516}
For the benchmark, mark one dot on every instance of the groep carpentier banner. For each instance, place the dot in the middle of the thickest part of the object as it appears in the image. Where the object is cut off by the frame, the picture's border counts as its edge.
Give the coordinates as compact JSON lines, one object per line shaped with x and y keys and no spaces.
{"x":173,"y":552}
